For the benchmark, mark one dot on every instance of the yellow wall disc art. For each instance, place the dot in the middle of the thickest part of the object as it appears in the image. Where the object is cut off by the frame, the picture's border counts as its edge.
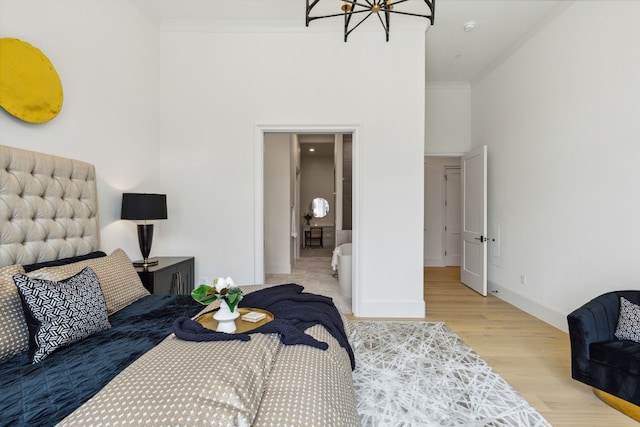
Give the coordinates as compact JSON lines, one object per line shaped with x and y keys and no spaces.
{"x":30,"y":88}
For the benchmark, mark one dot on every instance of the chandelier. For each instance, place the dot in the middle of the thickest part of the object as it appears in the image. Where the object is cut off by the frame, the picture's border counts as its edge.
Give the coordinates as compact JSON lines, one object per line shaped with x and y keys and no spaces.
{"x":366,"y":8}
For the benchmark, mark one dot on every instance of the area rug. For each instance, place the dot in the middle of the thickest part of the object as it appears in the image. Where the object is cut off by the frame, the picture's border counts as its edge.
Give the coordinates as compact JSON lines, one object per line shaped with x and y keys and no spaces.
{"x":423,"y":374}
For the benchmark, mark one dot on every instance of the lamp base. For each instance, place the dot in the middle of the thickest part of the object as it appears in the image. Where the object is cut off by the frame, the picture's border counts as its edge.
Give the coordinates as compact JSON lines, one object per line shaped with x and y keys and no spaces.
{"x":145,"y":264}
{"x":145,"y":237}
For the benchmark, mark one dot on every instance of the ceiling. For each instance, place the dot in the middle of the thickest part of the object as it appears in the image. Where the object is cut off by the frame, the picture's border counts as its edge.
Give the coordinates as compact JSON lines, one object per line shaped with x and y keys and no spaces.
{"x":319,"y":150}
{"x":501,"y":25}
{"x":322,"y":145}
{"x":452,"y":54}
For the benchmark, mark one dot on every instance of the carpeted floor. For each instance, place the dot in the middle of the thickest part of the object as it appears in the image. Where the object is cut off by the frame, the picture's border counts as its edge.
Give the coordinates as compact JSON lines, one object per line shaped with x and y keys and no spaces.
{"x":422,"y":374}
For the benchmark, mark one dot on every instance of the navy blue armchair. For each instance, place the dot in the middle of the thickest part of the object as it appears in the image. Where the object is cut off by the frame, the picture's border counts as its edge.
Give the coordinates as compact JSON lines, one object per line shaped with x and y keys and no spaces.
{"x":598,"y":358}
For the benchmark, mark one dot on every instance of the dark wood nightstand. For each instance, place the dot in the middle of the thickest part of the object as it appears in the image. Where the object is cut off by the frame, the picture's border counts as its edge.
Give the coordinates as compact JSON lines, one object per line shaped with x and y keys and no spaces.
{"x":172,"y":275}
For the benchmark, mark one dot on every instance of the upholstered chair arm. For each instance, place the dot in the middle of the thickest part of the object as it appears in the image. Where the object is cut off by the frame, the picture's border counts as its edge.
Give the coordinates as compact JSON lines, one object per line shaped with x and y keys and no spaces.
{"x":593,"y":322}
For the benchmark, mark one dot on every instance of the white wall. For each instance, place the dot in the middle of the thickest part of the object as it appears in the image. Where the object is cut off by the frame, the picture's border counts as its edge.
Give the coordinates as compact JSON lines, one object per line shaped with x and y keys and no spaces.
{"x":218,"y":87}
{"x":178,"y":113}
{"x":448,"y":118}
{"x":106,"y":55}
{"x":560,"y":118}
{"x":277,"y":203}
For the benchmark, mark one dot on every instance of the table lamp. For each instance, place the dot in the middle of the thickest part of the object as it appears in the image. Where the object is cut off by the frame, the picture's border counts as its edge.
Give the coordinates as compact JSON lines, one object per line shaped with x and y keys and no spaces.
{"x":144,"y":207}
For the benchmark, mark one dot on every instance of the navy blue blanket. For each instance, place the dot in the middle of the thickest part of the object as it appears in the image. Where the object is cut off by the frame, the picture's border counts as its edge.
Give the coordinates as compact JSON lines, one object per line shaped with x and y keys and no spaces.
{"x":294,"y":311}
{"x":45,"y":393}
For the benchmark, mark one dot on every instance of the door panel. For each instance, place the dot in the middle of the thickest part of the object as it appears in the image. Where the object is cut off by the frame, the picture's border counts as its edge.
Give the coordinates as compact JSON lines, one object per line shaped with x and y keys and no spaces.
{"x":453,"y":217}
{"x":473,"y":271}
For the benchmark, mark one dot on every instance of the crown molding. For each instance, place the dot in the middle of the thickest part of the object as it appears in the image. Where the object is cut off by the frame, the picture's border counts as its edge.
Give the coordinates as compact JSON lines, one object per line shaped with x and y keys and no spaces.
{"x":216,"y":26}
{"x":285,"y":26}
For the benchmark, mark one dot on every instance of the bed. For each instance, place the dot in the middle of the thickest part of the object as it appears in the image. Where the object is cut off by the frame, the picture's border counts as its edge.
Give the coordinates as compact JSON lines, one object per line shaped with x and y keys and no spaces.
{"x":109,"y":355}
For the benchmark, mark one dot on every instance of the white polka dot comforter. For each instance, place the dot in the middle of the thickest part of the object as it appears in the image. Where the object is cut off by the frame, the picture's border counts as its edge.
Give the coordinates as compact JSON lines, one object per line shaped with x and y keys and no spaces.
{"x":229,"y":383}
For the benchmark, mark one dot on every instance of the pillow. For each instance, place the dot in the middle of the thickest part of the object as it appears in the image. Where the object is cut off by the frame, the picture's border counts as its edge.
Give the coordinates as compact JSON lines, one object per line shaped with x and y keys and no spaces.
{"x":118,"y":279}
{"x":63,"y":261}
{"x":66,"y":311}
{"x":14,"y":336}
{"x":628,"y":321}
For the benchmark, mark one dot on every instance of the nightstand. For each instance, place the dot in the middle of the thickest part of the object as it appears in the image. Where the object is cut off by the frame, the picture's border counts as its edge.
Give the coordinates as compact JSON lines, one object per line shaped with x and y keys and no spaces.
{"x":172,"y":275}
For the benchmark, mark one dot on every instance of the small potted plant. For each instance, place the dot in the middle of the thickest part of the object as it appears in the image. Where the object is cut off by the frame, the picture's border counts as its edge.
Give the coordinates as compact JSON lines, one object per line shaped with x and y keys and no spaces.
{"x":229,"y":295}
{"x":308,"y":217}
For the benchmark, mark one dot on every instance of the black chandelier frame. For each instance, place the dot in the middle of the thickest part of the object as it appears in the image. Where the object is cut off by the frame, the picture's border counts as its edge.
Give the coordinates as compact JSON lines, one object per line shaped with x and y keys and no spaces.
{"x":369,"y":7}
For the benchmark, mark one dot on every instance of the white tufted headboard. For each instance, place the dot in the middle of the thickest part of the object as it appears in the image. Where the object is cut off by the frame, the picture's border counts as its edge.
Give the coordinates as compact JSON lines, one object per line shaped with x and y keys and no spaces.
{"x":48,"y":207}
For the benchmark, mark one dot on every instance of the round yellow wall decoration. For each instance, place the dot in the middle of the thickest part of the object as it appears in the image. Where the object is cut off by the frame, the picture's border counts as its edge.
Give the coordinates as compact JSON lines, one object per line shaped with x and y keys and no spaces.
{"x":30,"y":88}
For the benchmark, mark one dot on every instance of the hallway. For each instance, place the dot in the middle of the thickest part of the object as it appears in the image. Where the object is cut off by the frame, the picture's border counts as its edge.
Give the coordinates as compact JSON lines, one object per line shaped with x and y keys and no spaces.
{"x":316,"y":275}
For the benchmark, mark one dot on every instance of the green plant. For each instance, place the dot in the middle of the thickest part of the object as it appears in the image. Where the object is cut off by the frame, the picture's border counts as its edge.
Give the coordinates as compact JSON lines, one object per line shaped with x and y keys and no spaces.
{"x":223,"y":289}
{"x":308,"y":216}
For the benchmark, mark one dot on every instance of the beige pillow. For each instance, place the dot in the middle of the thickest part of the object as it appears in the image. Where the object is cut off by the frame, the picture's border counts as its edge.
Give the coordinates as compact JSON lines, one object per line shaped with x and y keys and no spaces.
{"x":118,"y":279}
{"x":14,"y":334}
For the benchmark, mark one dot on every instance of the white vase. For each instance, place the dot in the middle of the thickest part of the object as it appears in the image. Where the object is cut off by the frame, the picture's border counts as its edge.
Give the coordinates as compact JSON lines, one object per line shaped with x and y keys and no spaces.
{"x":226,"y":318}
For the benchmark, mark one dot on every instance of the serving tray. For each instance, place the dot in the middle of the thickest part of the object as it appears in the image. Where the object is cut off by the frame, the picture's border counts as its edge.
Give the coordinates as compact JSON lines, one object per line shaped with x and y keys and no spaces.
{"x":242,"y":326}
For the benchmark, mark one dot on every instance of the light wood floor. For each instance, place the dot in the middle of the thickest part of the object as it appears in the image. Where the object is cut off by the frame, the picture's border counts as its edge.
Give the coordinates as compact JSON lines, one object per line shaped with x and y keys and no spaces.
{"x":531,"y":355}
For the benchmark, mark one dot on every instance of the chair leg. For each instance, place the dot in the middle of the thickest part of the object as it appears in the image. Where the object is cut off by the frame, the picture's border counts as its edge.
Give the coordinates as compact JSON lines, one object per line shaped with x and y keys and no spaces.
{"x":621,"y":405}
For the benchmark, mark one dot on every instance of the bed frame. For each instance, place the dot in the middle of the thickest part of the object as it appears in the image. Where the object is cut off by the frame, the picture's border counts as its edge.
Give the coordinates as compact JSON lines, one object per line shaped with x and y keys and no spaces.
{"x":48,"y":207}
{"x":49,"y":211}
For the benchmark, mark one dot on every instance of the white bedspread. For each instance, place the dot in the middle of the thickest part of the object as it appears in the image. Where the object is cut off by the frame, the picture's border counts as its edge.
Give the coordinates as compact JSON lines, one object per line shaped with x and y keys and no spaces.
{"x":261,"y":382}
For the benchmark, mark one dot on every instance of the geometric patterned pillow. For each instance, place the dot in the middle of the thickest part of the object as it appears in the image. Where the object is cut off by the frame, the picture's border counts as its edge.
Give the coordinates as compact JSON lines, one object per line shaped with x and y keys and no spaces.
{"x":14,"y":335}
{"x":66,"y":311}
{"x":118,"y":278}
{"x":628,"y":327}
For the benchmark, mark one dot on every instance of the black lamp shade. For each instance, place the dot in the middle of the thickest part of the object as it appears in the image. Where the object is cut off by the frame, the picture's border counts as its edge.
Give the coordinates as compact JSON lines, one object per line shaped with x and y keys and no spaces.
{"x":143,"y":206}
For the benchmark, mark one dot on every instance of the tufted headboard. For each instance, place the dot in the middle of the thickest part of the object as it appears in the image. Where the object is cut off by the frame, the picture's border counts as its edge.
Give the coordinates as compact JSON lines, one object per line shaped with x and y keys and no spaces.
{"x":48,"y":207}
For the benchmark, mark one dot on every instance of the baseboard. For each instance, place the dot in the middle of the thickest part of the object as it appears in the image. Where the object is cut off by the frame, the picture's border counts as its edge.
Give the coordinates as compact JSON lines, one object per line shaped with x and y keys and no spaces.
{"x":527,"y":305}
{"x":434,"y":262}
{"x":454,"y":261}
{"x":393,"y":309}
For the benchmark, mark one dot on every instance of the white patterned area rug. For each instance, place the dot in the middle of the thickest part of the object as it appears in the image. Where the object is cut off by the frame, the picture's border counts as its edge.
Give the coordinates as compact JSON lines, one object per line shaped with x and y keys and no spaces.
{"x":423,"y":374}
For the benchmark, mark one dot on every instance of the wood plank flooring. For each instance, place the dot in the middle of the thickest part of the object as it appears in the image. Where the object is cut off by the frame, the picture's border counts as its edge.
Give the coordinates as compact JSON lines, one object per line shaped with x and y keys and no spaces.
{"x":531,"y":355}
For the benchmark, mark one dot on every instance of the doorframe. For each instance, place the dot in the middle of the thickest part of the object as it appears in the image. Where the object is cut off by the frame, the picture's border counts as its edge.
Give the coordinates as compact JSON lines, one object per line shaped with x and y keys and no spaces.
{"x":260,"y":130}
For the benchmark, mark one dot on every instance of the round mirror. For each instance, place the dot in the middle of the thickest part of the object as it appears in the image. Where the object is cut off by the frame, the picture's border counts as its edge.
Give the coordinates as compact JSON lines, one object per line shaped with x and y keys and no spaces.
{"x":319,"y":207}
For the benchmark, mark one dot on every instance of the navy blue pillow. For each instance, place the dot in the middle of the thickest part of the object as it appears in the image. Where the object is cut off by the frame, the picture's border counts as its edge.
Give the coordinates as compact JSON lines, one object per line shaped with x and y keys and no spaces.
{"x":63,"y":261}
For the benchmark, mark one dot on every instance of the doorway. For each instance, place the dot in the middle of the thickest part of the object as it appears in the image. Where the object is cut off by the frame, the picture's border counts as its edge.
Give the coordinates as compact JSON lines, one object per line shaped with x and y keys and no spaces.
{"x":442,"y":211}
{"x":318,"y":186}
{"x":326,"y":176}
{"x":471,"y":227}
{"x":295,"y":204}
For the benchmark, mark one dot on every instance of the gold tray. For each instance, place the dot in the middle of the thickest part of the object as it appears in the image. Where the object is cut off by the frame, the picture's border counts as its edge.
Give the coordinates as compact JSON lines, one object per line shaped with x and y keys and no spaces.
{"x":242,"y":326}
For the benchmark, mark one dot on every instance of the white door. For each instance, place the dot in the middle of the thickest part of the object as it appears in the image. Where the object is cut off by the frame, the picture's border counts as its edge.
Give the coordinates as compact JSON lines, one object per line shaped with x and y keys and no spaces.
{"x":473,"y":269}
{"x":452,"y":216}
